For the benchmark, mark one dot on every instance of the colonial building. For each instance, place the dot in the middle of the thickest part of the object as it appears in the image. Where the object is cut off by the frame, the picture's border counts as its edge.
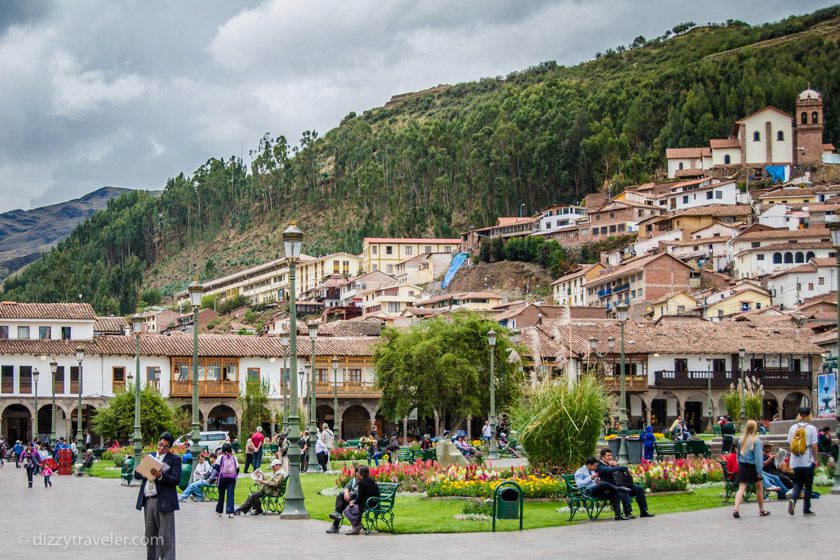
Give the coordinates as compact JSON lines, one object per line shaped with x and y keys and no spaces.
{"x":385,"y":253}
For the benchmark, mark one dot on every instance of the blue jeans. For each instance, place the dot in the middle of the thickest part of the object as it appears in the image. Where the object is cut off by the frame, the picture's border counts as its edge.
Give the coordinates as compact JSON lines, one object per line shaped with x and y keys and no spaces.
{"x":803,"y":477}
{"x":258,"y":458}
{"x":226,"y":486}
{"x":771,"y":480}
{"x":194,"y":489}
{"x":376,"y":457}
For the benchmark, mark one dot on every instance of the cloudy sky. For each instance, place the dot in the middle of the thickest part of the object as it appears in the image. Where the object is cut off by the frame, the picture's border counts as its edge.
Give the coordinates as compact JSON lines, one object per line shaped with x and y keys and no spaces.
{"x":131,"y":92}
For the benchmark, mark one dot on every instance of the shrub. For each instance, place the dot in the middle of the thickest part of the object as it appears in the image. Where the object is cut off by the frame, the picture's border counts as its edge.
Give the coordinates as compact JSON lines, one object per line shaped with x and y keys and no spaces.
{"x":558,"y":424}
{"x":478,"y":507}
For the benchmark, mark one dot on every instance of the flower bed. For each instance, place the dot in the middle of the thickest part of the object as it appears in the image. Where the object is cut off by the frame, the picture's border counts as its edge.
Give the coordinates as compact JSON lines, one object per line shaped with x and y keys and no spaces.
{"x":470,"y":481}
{"x":670,"y":476}
{"x":348,"y":454}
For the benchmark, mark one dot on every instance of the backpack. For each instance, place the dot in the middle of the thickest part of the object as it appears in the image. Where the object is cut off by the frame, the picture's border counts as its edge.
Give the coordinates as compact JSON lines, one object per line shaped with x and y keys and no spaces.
{"x":228,"y":468}
{"x":798,"y":445}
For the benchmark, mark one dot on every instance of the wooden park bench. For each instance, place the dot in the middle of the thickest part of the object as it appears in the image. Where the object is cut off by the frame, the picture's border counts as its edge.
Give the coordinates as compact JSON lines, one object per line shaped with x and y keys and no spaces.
{"x":380,"y":511}
{"x":578,"y":500}
{"x":673,"y":448}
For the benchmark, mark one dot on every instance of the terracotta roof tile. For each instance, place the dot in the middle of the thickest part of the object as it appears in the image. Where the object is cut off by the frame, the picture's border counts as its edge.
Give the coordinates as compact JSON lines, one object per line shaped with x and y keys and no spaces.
{"x":723,"y":143}
{"x":785,"y":234}
{"x":674,"y":153}
{"x":110,"y":325}
{"x":49,"y":311}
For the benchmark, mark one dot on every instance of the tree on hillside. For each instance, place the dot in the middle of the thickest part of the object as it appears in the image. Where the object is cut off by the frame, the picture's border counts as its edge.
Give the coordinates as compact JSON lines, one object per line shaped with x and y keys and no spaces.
{"x":443,"y":366}
{"x":117,"y":419}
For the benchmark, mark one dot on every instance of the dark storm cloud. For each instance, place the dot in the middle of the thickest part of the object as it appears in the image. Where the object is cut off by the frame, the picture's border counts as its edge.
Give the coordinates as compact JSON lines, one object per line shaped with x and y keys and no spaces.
{"x":131,"y":93}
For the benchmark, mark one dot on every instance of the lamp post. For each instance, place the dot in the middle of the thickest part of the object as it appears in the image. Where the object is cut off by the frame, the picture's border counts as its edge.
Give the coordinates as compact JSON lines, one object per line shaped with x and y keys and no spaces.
{"x":621,"y":312}
{"x":834,"y":226}
{"x":53,"y":370}
{"x":284,"y":341}
{"x":743,"y":415}
{"x":137,"y":440}
{"x":195,"y":290}
{"x":709,"y":394}
{"x":36,"y":430}
{"x":336,"y":421}
{"x":491,"y":341}
{"x":80,"y":440}
{"x":312,"y":465}
{"x":295,"y":506}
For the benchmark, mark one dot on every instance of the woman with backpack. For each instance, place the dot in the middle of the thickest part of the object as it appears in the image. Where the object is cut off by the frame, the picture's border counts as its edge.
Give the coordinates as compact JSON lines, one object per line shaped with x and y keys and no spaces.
{"x":228,"y":471}
{"x":750,"y":461}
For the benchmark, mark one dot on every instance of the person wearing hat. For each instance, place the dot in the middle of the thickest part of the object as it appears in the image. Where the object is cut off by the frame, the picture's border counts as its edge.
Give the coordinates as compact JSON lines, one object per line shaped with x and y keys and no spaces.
{"x":268,"y":487}
{"x":803,"y":464}
{"x":158,"y":500}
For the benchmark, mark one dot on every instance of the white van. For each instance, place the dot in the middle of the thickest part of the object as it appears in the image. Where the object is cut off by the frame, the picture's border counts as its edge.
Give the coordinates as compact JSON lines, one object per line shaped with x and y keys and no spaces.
{"x":211,"y":440}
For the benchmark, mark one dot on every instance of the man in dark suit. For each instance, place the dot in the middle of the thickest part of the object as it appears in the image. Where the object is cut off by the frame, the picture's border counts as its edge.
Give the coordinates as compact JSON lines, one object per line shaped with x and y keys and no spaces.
{"x":158,"y":499}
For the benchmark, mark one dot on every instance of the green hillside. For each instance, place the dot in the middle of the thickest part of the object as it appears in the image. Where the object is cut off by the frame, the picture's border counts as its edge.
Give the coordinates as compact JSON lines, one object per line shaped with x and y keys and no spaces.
{"x":437,"y":162}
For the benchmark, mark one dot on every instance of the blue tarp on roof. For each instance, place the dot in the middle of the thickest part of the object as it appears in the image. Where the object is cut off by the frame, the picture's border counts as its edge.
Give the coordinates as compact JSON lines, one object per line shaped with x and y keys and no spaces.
{"x":456,"y":263}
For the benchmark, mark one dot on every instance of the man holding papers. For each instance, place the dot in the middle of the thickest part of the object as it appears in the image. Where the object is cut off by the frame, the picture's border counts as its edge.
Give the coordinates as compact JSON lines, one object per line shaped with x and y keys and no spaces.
{"x":158,"y":499}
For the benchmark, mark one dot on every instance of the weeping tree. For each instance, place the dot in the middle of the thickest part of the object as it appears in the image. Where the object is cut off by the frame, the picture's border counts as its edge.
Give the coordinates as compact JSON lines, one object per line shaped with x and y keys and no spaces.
{"x":558,"y":424}
{"x":117,"y":419}
{"x":443,"y":366}
{"x":254,"y":405}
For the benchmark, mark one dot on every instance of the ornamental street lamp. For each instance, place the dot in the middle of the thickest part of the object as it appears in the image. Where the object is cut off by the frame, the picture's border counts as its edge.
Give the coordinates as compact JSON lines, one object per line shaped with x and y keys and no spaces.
{"x":53,"y":370}
{"x":491,"y":341}
{"x":35,"y":375}
{"x":137,"y":440}
{"x":312,"y":464}
{"x":336,"y":421}
{"x":295,"y":506}
{"x":284,"y":342}
{"x":195,"y":290}
{"x":621,"y":311}
{"x":711,"y":406}
{"x":743,"y":416}
{"x":834,"y":225}
{"x":80,"y":441}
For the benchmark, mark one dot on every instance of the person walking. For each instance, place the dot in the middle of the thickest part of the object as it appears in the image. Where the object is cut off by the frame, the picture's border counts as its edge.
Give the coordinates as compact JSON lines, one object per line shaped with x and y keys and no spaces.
{"x":249,"y":455}
{"x":328,"y":437}
{"x":727,"y":432}
{"x":486,"y":432}
{"x":322,"y":454}
{"x":18,"y":449}
{"x":259,"y":440}
{"x":750,"y":461}
{"x":158,"y":500}
{"x":804,"y":458}
{"x":47,"y":474}
{"x":648,"y":443}
{"x":228,"y":472}
{"x":28,"y":460}
{"x":303,"y":444}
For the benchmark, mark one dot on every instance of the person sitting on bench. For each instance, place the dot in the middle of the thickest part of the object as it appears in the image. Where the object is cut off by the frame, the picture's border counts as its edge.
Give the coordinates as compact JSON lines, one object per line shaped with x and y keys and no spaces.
{"x":86,"y":463}
{"x":587,"y":479}
{"x":342,"y":502}
{"x":270,"y":487}
{"x":608,"y":470}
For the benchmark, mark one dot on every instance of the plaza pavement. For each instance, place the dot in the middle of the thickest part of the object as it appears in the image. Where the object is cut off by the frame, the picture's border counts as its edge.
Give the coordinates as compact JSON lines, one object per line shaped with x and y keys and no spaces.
{"x":89,"y":507}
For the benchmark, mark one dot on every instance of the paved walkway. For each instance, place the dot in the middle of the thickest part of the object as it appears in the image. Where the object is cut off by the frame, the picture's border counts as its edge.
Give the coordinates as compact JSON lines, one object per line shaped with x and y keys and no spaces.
{"x":91,"y":508}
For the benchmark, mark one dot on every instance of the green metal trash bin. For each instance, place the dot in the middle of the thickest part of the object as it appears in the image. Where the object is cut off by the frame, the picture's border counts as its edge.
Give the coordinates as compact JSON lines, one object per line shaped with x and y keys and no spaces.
{"x":508,"y":502}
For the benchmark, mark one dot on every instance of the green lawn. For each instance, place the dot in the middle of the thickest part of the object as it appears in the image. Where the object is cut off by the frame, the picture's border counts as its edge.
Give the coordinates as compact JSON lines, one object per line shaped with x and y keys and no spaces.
{"x":105,"y":469}
{"x":425,"y":515}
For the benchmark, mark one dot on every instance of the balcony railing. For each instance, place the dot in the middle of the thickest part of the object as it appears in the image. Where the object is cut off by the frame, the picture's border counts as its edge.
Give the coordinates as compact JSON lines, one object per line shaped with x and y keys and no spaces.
{"x":604,"y":292}
{"x":621,"y":288}
{"x":348,"y":389}
{"x":631,"y":382}
{"x":722,"y":379}
{"x":205,"y":388}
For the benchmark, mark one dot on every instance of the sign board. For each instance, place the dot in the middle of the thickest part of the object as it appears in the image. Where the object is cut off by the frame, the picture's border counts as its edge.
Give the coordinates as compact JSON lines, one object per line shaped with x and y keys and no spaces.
{"x":827,"y":395}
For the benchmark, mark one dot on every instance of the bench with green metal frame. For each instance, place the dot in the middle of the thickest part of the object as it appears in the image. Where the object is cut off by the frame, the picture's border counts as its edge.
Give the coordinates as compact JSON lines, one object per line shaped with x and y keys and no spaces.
{"x":271,"y":502}
{"x":696,"y":447}
{"x":427,"y":455}
{"x":380,"y":511}
{"x":730,"y":485}
{"x":673,"y":448}
{"x":126,"y":472}
{"x":405,"y":455}
{"x":211,"y":492}
{"x":577,"y":499}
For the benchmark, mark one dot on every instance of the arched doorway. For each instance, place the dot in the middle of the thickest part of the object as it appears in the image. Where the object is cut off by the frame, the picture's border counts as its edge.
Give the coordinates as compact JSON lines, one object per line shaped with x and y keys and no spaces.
{"x":355,"y":422}
{"x":637,"y":412}
{"x":222,"y":418}
{"x":44,"y":421}
{"x":664,"y":408}
{"x":696,"y":412}
{"x":324,"y":413}
{"x":769,"y":406}
{"x":792,"y":403}
{"x":17,"y":423}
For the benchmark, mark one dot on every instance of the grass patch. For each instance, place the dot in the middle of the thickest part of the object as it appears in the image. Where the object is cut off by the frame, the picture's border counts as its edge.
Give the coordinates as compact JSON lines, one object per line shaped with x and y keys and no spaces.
{"x":104,"y":469}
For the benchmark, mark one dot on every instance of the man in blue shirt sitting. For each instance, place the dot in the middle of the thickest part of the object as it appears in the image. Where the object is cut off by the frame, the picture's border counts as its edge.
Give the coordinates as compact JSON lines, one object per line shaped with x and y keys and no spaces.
{"x":587,"y":479}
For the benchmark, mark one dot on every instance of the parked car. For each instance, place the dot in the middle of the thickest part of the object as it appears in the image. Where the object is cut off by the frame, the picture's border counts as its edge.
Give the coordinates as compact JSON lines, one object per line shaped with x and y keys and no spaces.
{"x":211,"y":440}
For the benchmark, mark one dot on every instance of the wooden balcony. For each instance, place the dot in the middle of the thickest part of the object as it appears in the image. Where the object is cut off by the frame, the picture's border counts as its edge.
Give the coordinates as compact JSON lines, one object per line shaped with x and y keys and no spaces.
{"x":205,"y":388}
{"x":632,"y":383}
{"x":723,"y":379}
{"x":365,"y":389}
